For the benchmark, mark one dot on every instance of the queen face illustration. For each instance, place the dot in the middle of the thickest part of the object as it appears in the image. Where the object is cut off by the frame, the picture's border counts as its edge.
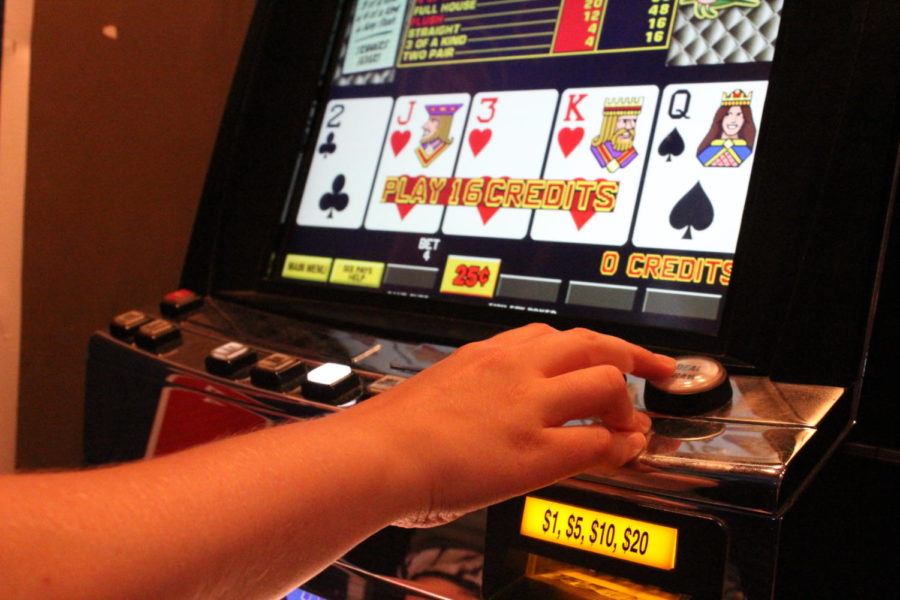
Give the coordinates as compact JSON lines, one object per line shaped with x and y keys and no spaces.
{"x":732,"y":123}
{"x":731,"y":135}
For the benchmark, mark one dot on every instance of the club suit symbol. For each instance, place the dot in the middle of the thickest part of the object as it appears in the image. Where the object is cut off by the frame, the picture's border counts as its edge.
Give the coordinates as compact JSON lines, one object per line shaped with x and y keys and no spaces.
{"x":335,"y":200}
{"x":328,"y":146}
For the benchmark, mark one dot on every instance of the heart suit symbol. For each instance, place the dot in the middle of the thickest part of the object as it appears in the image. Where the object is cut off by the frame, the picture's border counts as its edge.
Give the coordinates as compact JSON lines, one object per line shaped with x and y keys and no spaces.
{"x":568,"y":138}
{"x":399,"y":139}
{"x":478,"y":139}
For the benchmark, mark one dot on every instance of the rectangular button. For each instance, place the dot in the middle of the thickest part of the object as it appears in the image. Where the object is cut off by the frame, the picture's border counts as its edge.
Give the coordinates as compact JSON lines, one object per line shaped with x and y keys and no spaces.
{"x":410,"y":276}
{"x":601,"y":295}
{"x":278,"y":372}
{"x":528,"y":288}
{"x":309,"y":268}
{"x":682,"y":304}
{"x":470,"y":276}
{"x":360,"y":273}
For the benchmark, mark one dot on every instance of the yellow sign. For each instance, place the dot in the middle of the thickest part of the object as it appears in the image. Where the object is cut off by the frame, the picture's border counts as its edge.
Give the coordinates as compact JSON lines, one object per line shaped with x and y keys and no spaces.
{"x":470,"y":276}
{"x":601,"y":533}
{"x":357,"y":272}
{"x":310,"y":268}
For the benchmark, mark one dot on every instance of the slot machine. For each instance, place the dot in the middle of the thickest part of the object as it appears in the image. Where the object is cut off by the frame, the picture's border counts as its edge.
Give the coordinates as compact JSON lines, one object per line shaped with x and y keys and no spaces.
{"x":392,"y":179}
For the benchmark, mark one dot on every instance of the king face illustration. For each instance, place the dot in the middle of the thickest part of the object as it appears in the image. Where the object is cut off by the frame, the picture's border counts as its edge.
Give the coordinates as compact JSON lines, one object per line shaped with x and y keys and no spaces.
{"x":729,"y":141}
{"x":613,"y":147}
{"x":436,"y":132}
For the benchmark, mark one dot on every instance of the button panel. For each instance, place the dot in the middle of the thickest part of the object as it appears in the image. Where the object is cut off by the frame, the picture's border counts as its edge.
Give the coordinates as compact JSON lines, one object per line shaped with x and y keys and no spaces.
{"x":330,"y":383}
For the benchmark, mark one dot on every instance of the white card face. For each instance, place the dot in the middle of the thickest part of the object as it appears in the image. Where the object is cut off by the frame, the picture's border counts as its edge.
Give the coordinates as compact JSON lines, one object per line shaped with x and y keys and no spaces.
{"x":599,"y":134}
{"x":346,"y":156}
{"x":699,"y":168}
{"x":424,"y":136}
{"x":506,"y":137}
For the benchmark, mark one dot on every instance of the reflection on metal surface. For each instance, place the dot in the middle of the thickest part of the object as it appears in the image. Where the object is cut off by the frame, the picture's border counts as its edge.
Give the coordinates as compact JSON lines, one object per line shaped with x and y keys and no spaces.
{"x":737,"y":454}
{"x":684,"y":429}
{"x":391,"y":584}
{"x":365,"y":354}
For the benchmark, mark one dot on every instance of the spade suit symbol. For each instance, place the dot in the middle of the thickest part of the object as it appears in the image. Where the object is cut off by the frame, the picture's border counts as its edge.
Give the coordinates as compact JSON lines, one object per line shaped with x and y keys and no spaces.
{"x":329,"y":146}
{"x":693,"y":211}
{"x":672,"y":145}
{"x":335,"y":200}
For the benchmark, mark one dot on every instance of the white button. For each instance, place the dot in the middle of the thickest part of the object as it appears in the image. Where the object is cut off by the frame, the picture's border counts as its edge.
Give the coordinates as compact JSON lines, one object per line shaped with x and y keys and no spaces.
{"x":229,"y":351}
{"x":329,"y":374}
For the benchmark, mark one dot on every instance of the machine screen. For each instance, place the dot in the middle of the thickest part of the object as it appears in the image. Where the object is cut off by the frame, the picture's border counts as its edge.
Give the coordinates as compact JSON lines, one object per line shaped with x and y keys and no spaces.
{"x":583,"y":158}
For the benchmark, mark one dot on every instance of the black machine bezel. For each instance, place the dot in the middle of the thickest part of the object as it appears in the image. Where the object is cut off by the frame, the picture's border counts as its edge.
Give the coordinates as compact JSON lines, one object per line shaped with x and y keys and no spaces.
{"x":807,"y":263}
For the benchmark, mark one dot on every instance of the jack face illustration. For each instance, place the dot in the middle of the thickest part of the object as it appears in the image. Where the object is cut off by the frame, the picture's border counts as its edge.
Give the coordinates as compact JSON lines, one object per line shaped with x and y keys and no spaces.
{"x":436,"y":132}
{"x":729,"y":141}
{"x":613,"y":147}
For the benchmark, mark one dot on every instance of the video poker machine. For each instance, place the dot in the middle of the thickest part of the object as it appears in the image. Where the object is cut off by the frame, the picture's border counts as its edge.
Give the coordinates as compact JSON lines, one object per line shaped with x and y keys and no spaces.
{"x":394,"y":178}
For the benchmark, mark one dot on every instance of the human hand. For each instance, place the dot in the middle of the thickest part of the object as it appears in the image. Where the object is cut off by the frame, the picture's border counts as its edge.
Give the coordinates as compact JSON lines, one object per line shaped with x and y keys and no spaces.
{"x":486,"y":423}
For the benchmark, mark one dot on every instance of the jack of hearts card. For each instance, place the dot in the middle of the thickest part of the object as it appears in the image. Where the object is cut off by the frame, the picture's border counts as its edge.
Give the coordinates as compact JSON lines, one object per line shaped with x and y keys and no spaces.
{"x":424,"y":136}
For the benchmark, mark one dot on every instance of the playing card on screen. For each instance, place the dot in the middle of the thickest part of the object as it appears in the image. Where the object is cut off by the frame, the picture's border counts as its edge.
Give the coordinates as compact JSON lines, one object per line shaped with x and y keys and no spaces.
{"x":344,"y":162}
{"x":424,"y":136}
{"x":699,"y":169}
{"x":505,"y":139}
{"x":600,"y":137}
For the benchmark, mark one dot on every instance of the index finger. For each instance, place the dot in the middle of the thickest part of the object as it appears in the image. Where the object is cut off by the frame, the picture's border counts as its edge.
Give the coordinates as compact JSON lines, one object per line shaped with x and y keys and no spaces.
{"x":578,"y":348}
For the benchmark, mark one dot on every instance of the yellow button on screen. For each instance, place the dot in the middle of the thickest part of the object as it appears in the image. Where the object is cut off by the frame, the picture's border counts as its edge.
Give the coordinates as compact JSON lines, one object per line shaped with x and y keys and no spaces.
{"x":601,"y":533}
{"x":357,"y":272}
{"x":310,"y":268}
{"x":470,"y":276}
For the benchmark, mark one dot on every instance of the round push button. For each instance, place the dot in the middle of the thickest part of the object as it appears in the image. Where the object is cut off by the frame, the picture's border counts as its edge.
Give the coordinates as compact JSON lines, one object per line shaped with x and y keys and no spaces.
{"x":698,"y":385}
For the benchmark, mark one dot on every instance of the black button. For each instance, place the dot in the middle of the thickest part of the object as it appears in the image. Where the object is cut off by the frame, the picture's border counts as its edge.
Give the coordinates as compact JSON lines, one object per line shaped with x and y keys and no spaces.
{"x":278,"y":372}
{"x":232,"y":360}
{"x":158,"y":336}
{"x":179,"y":303}
{"x":125,"y":325}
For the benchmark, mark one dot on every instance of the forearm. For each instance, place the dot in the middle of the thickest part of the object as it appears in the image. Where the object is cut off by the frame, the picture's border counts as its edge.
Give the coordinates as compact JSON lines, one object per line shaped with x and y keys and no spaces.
{"x":242,"y":518}
{"x":252,"y":516}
